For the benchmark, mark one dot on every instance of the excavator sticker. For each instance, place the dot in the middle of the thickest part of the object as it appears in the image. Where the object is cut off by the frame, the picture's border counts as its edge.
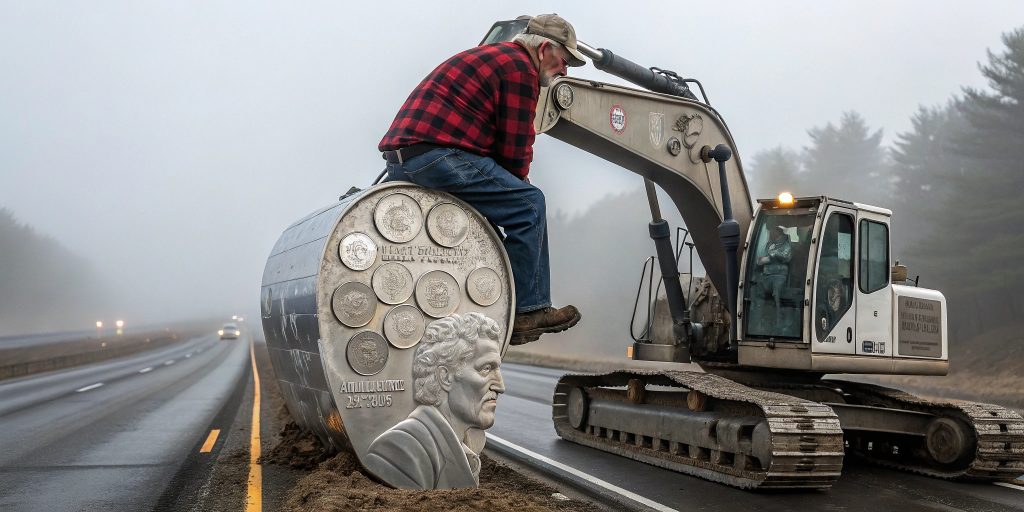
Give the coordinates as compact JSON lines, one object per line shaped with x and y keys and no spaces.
{"x":618,"y":119}
{"x":657,"y":124}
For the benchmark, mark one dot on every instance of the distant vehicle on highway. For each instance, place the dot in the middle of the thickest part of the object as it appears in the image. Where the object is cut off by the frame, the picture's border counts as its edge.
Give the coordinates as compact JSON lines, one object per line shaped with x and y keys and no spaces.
{"x":229,"y":331}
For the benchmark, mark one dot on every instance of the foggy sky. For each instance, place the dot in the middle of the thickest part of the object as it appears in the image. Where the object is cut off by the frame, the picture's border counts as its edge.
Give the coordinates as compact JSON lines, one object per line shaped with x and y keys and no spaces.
{"x":171,"y":143}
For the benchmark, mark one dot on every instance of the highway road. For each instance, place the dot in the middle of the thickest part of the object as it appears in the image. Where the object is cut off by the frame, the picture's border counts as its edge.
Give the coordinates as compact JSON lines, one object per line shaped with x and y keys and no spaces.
{"x":127,"y":434}
{"x":112,"y":435}
{"x":524,"y":419}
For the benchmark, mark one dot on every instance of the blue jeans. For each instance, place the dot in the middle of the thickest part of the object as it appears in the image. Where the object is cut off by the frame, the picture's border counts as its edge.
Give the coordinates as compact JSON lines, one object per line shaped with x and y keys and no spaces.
{"x":507,"y":201}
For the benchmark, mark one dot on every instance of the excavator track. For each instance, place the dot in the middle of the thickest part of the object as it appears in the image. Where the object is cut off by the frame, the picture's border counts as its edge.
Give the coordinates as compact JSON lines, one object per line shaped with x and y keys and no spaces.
{"x":990,"y":438}
{"x":703,"y":425}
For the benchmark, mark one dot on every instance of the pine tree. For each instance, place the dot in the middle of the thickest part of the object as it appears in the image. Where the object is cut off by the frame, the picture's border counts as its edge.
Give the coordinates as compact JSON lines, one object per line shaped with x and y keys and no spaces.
{"x":776,"y":170}
{"x":978,"y":248}
{"x":924,"y":166}
{"x":847,"y":161}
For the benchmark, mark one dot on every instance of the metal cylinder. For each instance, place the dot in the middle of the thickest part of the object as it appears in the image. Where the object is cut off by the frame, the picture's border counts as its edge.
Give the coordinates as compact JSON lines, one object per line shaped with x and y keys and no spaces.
{"x":349,"y":290}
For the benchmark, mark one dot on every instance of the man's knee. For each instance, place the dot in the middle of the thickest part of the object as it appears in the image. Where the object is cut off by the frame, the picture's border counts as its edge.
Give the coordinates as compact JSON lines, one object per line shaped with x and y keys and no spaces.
{"x":536,"y":198}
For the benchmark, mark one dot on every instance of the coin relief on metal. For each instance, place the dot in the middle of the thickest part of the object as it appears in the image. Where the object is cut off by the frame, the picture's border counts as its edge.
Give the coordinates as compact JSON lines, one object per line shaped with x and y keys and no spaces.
{"x":404,"y":326}
{"x":367,"y":352}
{"x":398,"y":217}
{"x":393,"y":283}
{"x":437,"y":293}
{"x":357,"y":251}
{"x":447,"y":224}
{"x":354,"y":304}
{"x":483,"y":286}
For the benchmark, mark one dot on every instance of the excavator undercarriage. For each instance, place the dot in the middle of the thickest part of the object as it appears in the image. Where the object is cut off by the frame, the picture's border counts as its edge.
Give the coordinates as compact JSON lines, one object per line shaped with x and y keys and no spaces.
{"x":784,"y":435}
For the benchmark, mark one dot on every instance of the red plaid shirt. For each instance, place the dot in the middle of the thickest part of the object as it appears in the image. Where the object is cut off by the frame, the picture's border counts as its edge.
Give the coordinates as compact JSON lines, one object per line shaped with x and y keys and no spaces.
{"x":482,"y":100}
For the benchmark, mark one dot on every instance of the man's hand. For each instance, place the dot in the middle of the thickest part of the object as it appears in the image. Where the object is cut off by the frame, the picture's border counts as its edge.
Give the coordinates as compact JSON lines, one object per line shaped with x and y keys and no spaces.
{"x":526,"y":179}
{"x":763,"y":259}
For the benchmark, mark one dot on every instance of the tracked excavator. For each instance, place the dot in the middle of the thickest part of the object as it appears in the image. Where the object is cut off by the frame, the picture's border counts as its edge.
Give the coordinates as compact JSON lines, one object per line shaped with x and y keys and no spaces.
{"x":796,"y":288}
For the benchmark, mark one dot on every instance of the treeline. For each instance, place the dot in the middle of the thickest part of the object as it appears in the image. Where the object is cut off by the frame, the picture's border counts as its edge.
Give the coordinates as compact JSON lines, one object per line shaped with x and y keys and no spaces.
{"x":44,"y":286}
{"x":953,"y":181}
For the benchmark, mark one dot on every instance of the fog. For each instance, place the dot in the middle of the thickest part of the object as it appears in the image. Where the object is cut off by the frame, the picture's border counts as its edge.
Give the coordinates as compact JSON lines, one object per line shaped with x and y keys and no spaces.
{"x":169,"y":144}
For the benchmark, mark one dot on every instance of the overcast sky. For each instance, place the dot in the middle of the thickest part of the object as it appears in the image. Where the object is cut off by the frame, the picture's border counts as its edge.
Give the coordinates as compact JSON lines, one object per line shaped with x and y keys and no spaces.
{"x":172,"y":142}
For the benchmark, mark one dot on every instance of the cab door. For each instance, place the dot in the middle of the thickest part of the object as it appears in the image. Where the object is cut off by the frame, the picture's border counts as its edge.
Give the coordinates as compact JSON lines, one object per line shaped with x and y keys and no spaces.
{"x":834,"y":307}
{"x":874,"y":298}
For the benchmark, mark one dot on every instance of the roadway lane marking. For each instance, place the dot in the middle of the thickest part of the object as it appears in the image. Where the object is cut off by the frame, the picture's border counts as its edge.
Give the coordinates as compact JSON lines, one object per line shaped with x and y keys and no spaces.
{"x":210,"y":440}
{"x":146,"y":369}
{"x":254,"y":493}
{"x":1010,"y":486}
{"x":169,"y":362}
{"x":584,"y":476}
{"x":87,"y":388}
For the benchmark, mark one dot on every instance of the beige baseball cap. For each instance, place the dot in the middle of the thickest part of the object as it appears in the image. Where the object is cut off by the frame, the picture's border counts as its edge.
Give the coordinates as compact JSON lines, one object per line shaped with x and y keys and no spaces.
{"x":553,"y":27}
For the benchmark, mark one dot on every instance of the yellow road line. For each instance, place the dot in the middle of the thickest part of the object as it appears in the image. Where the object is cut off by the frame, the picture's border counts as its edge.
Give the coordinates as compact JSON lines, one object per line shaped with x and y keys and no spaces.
{"x":254,"y":495}
{"x":210,"y":440}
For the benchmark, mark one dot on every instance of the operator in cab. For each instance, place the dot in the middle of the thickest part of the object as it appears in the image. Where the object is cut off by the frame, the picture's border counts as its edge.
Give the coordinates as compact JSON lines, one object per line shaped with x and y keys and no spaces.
{"x":774,"y":274}
{"x":467,"y":129}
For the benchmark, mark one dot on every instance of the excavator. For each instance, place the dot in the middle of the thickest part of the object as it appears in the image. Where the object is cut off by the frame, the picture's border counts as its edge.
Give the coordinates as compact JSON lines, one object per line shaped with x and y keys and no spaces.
{"x":796,"y":289}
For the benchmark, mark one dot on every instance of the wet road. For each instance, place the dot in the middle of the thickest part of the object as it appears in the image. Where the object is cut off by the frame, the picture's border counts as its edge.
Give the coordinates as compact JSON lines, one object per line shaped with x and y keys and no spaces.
{"x":524,"y":418}
{"x":111,"y":435}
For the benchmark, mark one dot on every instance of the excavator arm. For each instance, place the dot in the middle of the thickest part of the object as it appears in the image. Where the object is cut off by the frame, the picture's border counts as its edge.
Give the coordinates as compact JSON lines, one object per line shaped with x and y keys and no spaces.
{"x":659,"y":137}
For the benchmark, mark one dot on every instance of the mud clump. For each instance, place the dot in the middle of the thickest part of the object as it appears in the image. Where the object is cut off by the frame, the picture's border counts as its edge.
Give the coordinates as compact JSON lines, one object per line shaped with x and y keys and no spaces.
{"x":297,"y":449}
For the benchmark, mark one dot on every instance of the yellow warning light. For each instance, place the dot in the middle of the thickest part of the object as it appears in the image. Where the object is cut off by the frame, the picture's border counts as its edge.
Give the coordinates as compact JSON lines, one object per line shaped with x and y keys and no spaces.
{"x":786,"y":199}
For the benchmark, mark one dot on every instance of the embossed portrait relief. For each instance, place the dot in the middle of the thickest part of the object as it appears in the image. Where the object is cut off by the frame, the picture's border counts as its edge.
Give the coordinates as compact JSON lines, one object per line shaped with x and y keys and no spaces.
{"x":456,"y":382}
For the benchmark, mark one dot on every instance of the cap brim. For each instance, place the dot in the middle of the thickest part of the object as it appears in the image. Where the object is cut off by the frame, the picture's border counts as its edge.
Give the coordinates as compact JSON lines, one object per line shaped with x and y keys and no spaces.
{"x":576,"y":58}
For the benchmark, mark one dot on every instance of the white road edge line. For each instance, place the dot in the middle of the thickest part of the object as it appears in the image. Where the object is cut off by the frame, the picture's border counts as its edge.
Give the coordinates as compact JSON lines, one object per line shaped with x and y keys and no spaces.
{"x":579,"y":474}
{"x":1011,"y":486}
{"x":169,"y":362}
{"x":87,"y":388}
{"x":146,"y":369}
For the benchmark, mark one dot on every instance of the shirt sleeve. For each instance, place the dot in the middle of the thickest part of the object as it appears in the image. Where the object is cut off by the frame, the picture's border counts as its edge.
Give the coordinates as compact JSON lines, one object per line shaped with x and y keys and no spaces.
{"x":514,"y":135}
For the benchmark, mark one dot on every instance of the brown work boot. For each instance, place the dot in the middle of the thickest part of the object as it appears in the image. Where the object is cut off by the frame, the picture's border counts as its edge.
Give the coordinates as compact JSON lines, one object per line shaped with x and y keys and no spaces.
{"x":529,"y":326}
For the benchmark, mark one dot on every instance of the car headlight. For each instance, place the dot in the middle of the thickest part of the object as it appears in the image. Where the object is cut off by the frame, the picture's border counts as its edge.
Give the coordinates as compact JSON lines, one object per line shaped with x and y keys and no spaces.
{"x":221,"y":333}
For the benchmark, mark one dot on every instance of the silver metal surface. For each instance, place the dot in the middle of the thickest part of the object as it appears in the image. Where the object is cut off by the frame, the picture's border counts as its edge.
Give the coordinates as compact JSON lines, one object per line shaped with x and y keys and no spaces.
{"x":354,"y":304}
{"x":483,"y":286}
{"x":403,"y":326}
{"x":367,"y":353}
{"x":393,"y":283}
{"x":357,"y":251}
{"x":398,"y":218}
{"x":437,"y":293}
{"x":447,"y":224}
{"x":328,"y":370}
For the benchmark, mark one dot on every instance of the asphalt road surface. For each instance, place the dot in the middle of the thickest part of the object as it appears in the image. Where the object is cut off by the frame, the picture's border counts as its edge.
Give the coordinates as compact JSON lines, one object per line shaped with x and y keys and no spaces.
{"x":119,"y":435}
{"x":112,"y":435}
{"x":524,"y":418}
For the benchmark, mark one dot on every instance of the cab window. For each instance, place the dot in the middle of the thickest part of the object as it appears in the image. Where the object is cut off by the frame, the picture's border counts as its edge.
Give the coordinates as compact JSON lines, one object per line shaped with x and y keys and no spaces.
{"x":834,"y":291}
{"x":874,"y":256}
{"x":776,"y":269}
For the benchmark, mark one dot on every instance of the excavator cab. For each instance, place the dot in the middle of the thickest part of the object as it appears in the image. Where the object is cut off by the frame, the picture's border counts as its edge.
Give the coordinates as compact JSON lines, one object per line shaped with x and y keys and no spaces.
{"x":817,"y":295}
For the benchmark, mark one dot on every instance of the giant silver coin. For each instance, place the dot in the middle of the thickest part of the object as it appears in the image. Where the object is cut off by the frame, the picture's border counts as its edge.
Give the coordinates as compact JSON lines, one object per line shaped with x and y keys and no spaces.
{"x":367,"y":352}
{"x":398,"y":218}
{"x":447,"y":224}
{"x":393,"y":283}
{"x":483,"y":286}
{"x":357,"y":251}
{"x":354,"y":304}
{"x":437,"y":293}
{"x":404,"y":326}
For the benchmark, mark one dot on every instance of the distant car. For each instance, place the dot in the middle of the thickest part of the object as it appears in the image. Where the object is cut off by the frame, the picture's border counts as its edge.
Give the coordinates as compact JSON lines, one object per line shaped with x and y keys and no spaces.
{"x":229,"y":332}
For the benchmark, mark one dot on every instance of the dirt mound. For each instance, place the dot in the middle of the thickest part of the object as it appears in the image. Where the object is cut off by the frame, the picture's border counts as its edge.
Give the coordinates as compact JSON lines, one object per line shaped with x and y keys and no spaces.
{"x":297,"y":449}
{"x":338,"y":484}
